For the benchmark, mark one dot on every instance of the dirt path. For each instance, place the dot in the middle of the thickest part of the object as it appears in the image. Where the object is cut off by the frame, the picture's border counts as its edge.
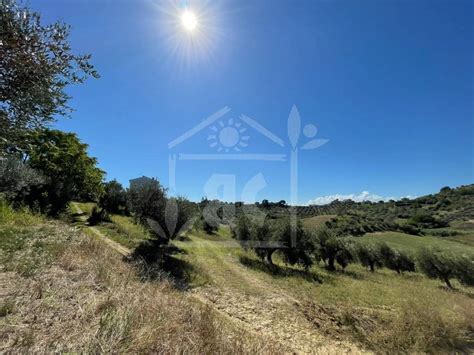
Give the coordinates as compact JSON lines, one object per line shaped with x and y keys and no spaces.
{"x":114,"y":245}
{"x":250,"y":301}
{"x":261,"y":306}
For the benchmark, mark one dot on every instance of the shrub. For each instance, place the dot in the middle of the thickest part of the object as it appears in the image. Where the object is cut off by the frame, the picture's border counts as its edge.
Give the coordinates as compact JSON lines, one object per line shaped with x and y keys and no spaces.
{"x":444,"y":233}
{"x":465,"y":269}
{"x":18,"y":180}
{"x":369,"y":255}
{"x":209,"y":227}
{"x":396,"y":260}
{"x":264,"y":239}
{"x":346,"y":254}
{"x":164,"y":224}
{"x":409,"y":229}
{"x":114,"y":199}
{"x":331,"y":249}
{"x":147,"y":200}
{"x":98,"y":215}
{"x":424,"y":219}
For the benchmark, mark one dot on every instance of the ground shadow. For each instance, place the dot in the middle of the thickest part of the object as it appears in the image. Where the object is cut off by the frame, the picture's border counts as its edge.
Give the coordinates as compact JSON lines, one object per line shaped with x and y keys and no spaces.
{"x":161,"y":263}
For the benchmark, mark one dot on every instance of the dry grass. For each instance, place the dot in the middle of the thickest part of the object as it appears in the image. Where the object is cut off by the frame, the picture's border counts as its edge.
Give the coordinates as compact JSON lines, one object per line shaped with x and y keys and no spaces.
{"x":89,"y":300}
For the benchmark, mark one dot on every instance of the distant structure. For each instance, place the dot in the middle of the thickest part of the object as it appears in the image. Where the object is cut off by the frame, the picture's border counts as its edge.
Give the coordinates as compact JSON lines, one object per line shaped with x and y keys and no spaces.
{"x":140,"y":181}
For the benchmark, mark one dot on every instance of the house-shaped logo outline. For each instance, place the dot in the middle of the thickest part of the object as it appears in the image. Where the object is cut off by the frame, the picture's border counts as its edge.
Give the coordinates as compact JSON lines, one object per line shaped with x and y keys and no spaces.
{"x":173,"y":158}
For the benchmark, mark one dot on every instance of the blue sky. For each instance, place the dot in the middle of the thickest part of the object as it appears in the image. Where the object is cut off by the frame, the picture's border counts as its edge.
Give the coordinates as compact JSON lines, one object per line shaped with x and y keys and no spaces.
{"x":389,"y":83}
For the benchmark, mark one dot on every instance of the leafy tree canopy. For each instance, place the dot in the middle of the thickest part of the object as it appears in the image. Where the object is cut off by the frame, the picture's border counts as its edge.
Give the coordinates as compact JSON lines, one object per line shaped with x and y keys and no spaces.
{"x":72,"y":174}
{"x":36,"y":65}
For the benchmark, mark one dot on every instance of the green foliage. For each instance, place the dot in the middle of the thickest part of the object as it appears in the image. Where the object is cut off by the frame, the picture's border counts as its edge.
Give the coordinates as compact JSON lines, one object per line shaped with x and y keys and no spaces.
{"x":290,"y":240}
{"x":444,"y":265}
{"x":409,"y":229}
{"x":70,"y":172}
{"x":147,"y":200}
{"x":210,"y":227}
{"x":370,"y":256}
{"x":241,"y":230}
{"x":166,"y":218}
{"x":98,"y":215}
{"x":293,"y":243}
{"x":36,"y":66}
{"x":423,"y":219}
{"x":18,"y":180}
{"x":331,"y":249}
{"x":114,"y":198}
{"x":396,"y":260}
{"x":18,"y":217}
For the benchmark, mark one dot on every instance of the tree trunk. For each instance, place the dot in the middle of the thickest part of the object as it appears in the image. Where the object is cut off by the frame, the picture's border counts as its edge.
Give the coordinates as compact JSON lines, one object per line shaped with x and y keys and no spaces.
{"x":372,"y":267}
{"x":331,"y":266}
{"x":448,"y":283}
{"x":269,"y":256}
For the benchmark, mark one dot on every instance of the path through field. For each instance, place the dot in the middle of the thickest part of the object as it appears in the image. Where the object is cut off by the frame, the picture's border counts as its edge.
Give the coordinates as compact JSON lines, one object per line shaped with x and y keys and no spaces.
{"x":255,"y":302}
{"x":251,"y":302}
{"x":114,"y":245}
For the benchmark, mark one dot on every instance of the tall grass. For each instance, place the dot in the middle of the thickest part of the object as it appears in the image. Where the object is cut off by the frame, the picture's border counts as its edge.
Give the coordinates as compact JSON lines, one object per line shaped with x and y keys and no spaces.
{"x":19,"y":217}
{"x":90,"y":300}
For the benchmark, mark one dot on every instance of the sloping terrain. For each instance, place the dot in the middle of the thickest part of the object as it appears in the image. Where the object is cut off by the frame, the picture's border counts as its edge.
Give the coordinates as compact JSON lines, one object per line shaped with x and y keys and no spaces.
{"x":65,"y":291}
{"x":318,"y":311}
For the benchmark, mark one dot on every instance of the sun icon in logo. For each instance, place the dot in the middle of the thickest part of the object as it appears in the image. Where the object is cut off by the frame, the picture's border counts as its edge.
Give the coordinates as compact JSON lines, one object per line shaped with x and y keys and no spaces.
{"x":228,"y":136}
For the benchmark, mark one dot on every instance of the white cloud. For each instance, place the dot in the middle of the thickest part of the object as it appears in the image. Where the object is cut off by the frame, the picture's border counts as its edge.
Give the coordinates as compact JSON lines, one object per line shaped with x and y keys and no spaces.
{"x":363,"y":196}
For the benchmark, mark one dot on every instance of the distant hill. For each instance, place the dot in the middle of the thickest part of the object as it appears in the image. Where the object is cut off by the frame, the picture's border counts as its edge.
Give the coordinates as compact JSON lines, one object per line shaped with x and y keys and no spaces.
{"x":448,"y":207}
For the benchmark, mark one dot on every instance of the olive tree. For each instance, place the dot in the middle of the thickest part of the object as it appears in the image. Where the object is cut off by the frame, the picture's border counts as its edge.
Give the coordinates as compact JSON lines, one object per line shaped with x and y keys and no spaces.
{"x":333,"y":249}
{"x":445,"y":265}
{"x":36,"y":67}
{"x":369,"y":255}
{"x":396,"y":260}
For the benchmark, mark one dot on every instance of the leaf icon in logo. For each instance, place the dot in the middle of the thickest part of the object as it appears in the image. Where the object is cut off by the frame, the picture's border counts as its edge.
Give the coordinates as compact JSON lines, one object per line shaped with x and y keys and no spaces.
{"x":315,"y":143}
{"x":294,"y":126}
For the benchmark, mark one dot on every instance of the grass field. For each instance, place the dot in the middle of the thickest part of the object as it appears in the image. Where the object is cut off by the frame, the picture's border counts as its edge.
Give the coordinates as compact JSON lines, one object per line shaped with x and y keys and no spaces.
{"x":313,"y":223}
{"x":331,"y":311}
{"x":63,"y":291}
{"x":380,"y":310}
{"x":412,"y":243}
{"x":124,"y":230}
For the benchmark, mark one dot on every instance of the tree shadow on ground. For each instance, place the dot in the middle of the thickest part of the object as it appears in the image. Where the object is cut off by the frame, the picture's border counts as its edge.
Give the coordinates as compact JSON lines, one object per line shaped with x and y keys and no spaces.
{"x":157,"y":263}
{"x":352,"y":274}
{"x":279,"y":270}
{"x":457,"y":290}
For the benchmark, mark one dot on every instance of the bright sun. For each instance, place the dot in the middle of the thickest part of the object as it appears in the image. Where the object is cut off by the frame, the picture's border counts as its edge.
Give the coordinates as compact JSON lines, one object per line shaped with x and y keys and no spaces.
{"x":189,"y":20}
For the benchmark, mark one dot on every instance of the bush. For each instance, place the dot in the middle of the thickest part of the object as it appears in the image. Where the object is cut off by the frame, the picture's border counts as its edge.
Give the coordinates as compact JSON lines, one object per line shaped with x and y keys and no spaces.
{"x":396,"y":260}
{"x":114,"y":199}
{"x":209,"y":227}
{"x":147,"y":200}
{"x":424,"y":219}
{"x":332,"y":249}
{"x":71,"y":173}
{"x":409,"y":229}
{"x":165,"y":218}
{"x":444,"y":233}
{"x":98,"y":215}
{"x":444,"y":265}
{"x":264,"y":239}
{"x":18,"y":180}
{"x":369,"y":255}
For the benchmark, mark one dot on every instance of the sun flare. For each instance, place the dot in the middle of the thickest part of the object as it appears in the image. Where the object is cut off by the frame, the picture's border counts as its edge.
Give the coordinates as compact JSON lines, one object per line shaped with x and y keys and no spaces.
{"x":189,"y":20}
